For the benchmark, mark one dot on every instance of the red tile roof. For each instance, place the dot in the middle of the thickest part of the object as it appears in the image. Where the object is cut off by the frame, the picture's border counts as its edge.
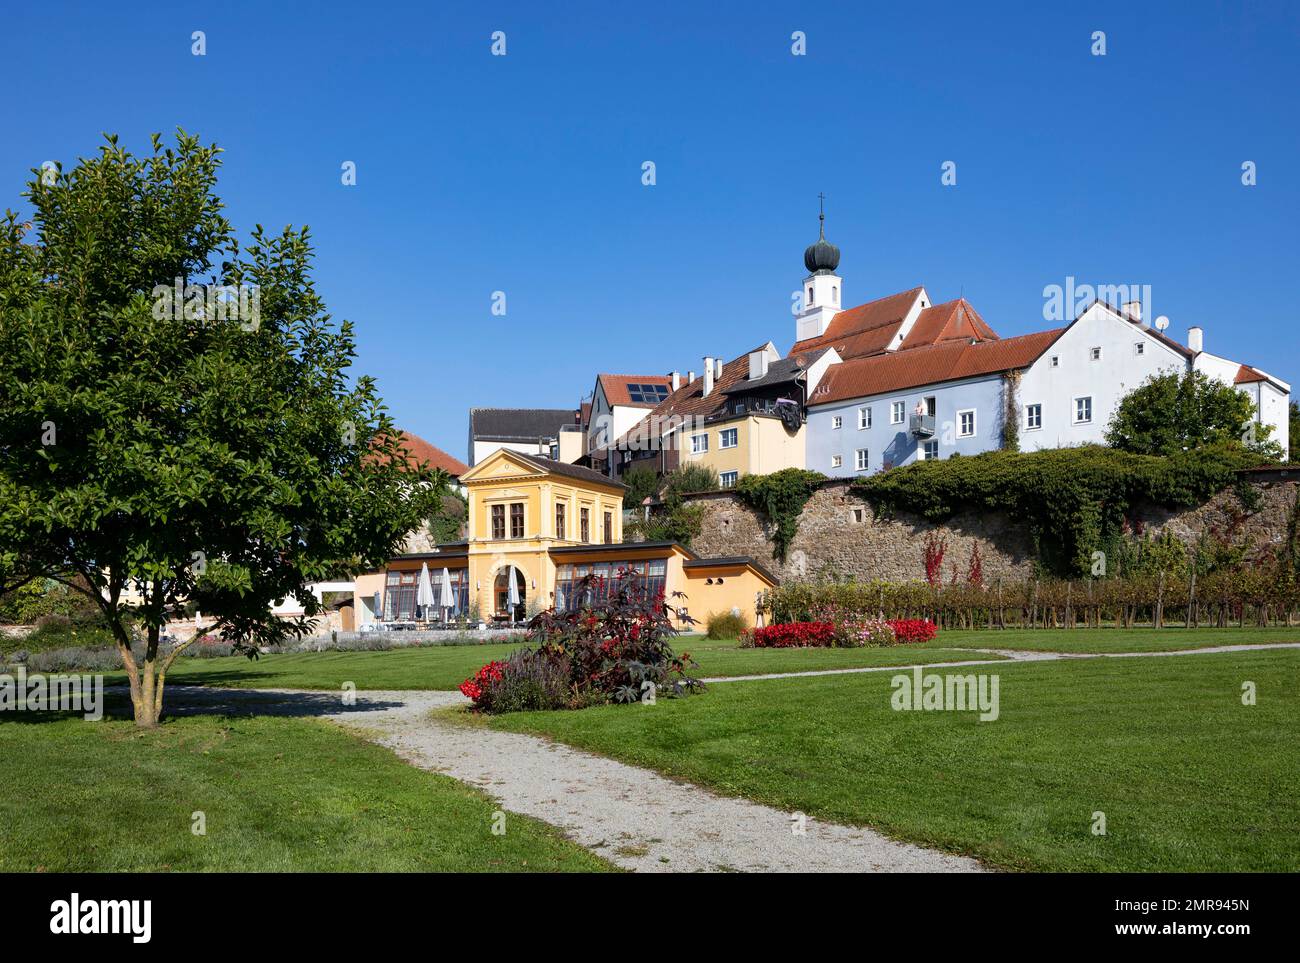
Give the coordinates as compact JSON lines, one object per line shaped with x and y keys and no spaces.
{"x":867,"y":329}
{"x":616,"y":392}
{"x":688,"y":401}
{"x":420,"y":452}
{"x":953,"y":321}
{"x":930,"y":364}
{"x":1248,"y":375}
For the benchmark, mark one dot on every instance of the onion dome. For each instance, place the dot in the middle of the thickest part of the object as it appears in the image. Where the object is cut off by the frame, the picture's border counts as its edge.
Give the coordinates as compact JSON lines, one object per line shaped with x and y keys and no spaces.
{"x":822,"y":257}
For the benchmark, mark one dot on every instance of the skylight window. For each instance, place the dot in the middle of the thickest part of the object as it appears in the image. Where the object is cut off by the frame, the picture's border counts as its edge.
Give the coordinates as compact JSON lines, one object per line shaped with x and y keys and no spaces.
{"x":647,"y":394}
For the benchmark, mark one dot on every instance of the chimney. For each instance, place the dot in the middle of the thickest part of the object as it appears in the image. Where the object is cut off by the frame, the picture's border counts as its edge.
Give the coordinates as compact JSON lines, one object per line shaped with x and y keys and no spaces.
{"x":677,"y":380}
{"x":1195,"y":339}
{"x":757,"y":364}
{"x":690,"y":377}
{"x":717,"y":368}
{"x":1133,"y":309}
{"x":708,"y":376}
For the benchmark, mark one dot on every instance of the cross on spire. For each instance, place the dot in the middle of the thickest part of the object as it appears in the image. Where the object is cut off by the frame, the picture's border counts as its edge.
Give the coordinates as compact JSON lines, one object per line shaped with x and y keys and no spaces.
{"x":821,"y":216}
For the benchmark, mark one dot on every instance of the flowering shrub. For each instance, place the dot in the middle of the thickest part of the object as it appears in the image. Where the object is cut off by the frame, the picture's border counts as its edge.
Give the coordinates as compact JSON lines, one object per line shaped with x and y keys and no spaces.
{"x":617,"y":648}
{"x":913,"y":630}
{"x":475,"y":686}
{"x":870,"y":633}
{"x":790,"y":635}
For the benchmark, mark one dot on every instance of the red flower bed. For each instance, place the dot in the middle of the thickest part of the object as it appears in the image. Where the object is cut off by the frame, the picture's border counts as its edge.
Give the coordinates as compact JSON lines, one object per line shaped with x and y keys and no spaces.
{"x":913,"y":630}
{"x":472,"y":688}
{"x":792,"y":635}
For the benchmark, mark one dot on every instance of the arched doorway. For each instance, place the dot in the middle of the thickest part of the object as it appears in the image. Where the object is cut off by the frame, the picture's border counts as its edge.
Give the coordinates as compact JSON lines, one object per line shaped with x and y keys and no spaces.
{"x":501,"y":593}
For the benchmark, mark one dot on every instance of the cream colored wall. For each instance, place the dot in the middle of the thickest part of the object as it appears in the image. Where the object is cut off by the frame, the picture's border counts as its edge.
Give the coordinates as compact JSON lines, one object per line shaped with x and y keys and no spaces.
{"x":762,"y":447}
{"x":504,"y":481}
{"x":739,"y":589}
{"x":364,"y":587}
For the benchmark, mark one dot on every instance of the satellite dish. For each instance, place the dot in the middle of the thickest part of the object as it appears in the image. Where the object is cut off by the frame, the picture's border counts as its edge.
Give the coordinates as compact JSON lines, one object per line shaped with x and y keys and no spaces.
{"x":1162,"y":322}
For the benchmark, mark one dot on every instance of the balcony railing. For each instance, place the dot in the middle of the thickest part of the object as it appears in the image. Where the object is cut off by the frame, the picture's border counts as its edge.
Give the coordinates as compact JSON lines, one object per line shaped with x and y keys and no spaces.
{"x":923,"y":426}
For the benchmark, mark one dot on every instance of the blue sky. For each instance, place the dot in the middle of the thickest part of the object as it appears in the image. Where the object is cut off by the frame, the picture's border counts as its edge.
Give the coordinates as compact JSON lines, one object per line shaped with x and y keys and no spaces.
{"x":522,"y":173}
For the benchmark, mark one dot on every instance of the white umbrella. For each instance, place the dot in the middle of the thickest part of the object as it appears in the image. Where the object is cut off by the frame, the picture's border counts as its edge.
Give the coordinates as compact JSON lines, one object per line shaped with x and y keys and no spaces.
{"x":448,"y":599}
{"x":513,"y":598}
{"x":424,"y":589}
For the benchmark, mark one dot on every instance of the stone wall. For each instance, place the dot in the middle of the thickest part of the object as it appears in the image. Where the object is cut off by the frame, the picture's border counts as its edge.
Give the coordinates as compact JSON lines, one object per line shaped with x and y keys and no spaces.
{"x":840,"y":536}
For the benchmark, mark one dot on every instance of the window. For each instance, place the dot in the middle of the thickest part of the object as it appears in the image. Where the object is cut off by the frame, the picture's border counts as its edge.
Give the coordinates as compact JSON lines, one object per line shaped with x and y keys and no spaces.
{"x":584,"y":524}
{"x":559,"y":521}
{"x":498,"y":521}
{"x":810,"y":297}
{"x":930,"y":406}
{"x":931,"y":451}
{"x":1095,"y":354}
{"x":699,"y":444}
{"x":864,"y":418}
{"x":859,"y":516}
{"x":896,"y":413}
{"x":1082,"y":410}
{"x":609,"y":528}
{"x":837,"y":422}
{"x":647,"y":394}
{"x":517,"y":520}
{"x":1033,"y":417}
{"x":727,"y":479}
{"x":1056,"y":361}
{"x":860,"y":459}
{"x":1139,"y":348}
{"x":835,"y":294}
{"x":727,"y":438}
{"x":837,"y":461}
{"x":966,"y":423}
{"x":399,"y":597}
{"x":738,"y":407}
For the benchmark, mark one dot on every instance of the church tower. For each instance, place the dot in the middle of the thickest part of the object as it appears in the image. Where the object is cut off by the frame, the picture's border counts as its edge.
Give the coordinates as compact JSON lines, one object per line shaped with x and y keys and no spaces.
{"x":822,"y":289}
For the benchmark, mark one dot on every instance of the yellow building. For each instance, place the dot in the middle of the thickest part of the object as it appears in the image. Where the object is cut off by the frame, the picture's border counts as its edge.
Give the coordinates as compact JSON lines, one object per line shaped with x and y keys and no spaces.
{"x":744,"y":417}
{"x":545,"y":525}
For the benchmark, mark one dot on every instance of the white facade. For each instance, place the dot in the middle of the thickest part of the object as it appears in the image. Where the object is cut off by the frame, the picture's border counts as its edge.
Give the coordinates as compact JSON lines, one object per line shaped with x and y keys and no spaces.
{"x":1096,"y":362}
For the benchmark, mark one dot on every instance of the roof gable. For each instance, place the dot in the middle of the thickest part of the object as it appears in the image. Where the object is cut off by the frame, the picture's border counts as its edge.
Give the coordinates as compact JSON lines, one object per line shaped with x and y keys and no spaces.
{"x":953,"y":321}
{"x":931,"y":364}
{"x":866,"y":329}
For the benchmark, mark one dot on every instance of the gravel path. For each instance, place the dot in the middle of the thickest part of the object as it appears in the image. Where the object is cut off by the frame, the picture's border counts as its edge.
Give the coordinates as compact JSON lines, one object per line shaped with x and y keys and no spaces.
{"x":631,"y":816}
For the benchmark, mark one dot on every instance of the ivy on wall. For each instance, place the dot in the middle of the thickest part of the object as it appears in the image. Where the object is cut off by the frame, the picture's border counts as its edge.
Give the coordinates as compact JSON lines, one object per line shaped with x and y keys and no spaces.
{"x":780,"y":497}
{"x":1074,"y":499}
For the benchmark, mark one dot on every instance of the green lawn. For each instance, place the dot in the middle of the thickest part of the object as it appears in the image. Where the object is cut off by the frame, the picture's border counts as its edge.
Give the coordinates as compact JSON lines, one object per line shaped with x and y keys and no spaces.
{"x":445,"y":667}
{"x":280,"y":795}
{"x":1188,"y":777}
{"x":1110,"y":640}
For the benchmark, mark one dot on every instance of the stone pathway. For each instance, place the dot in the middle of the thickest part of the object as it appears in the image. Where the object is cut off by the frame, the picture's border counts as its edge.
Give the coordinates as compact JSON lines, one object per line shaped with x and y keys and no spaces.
{"x":631,"y":816}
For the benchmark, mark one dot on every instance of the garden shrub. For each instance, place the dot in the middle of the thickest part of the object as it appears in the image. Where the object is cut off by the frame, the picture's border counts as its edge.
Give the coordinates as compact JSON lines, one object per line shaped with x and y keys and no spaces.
{"x":525,"y":681}
{"x":913,"y":630}
{"x":616,"y":648}
{"x":1073,"y":499}
{"x":791,"y":635}
{"x":726,"y":625}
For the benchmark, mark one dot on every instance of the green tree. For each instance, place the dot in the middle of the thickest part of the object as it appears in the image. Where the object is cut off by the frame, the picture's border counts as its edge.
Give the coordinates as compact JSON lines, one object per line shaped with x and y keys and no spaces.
{"x":1172,"y":413}
{"x":200,"y":449}
{"x":642,"y":483}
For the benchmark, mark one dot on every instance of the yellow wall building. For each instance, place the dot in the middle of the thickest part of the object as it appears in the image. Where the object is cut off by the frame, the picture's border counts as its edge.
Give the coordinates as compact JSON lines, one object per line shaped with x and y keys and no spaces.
{"x":545,"y":525}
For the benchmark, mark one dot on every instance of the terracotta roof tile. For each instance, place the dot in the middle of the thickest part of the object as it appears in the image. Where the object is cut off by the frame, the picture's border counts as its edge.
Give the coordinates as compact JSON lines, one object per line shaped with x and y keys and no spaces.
{"x":955,"y":320}
{"x":616,"y":388}
{"x":867,"y":329}
{"x":1248,"y":375}
{"x":420,"y":452}
{"x":931,"y":364}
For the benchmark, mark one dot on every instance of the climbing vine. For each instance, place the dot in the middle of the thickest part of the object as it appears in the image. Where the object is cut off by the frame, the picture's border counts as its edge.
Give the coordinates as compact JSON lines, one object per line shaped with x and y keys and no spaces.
{"x":1011,"y":411}
{"x":780,"y":497}
{"x":1075,"y":500}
